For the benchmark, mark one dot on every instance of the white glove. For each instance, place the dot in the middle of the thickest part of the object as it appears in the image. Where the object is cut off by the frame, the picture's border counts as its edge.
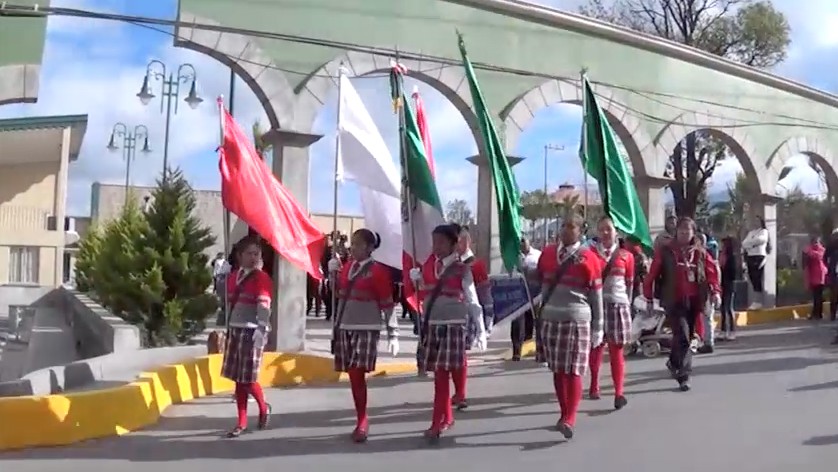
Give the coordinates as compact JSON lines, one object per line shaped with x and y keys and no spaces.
{"x":717,"y":301}
{"x":393,"y":346}
{"x":258,"y":337}
{"x":334,"y":265}
{"x":416,"y":274}
{"x":482,"y":343}
{"x":597,"y":338}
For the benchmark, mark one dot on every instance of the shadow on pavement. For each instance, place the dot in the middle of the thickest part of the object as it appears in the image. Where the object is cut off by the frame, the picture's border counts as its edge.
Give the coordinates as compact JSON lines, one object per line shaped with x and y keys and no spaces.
{"x":822,"y":441}
{"x":815,"y":387}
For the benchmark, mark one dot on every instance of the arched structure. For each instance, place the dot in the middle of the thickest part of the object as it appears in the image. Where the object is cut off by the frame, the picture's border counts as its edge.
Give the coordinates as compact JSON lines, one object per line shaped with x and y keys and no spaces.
{"x":244,"y":56}
{"x":811,"y":147}
{"x":735,"y":137}
{"x":520,"y":112}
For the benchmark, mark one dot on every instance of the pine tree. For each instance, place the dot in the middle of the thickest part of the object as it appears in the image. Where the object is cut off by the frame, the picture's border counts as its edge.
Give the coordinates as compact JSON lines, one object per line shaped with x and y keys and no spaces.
{"x":88,"y":253}
{"x":176,"y":243}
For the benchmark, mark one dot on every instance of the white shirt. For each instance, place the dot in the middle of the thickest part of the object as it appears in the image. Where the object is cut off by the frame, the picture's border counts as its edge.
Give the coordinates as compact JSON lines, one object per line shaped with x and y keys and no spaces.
{"x":756,"y":242}
{"x":220,"y":267}
{"x":530,"y":259}
{"x":565,"y":251}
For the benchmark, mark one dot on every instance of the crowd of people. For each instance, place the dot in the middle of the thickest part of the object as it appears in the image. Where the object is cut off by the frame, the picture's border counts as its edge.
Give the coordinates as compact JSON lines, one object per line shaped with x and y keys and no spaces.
{"x":588,"y":288}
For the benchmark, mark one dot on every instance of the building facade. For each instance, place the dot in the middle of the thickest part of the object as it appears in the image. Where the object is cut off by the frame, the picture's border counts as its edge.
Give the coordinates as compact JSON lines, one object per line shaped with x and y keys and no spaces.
{"x":35,"y":155}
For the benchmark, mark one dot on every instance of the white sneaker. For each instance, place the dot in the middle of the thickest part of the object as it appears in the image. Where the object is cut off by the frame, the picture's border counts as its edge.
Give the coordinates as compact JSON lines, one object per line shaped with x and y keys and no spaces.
{"x":731,"y":336}
{"x":721,"y":336}
{"x":755,"y":306}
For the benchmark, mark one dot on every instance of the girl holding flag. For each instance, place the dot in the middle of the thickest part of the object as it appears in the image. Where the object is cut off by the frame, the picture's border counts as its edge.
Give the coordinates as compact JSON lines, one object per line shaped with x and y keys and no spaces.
{"x":449,"y":299}
{"x":366,"y":300}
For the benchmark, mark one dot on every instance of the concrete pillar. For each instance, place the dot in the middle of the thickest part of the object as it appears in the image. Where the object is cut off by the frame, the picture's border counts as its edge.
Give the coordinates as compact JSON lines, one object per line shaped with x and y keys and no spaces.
{"x":766,"y":207}
{"x":487,"y":235}
{"x":291,"y":167}
{"x":652,"y":193}
{"x":60,"y":204}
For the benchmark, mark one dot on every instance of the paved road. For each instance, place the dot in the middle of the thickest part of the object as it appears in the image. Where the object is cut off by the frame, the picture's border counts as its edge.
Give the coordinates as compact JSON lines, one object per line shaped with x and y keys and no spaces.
{"x":764,"y":403}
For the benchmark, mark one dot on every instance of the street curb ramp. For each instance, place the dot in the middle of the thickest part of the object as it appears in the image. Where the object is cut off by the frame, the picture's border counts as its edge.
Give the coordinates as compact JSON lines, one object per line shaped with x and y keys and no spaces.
{"x":56,"y":420}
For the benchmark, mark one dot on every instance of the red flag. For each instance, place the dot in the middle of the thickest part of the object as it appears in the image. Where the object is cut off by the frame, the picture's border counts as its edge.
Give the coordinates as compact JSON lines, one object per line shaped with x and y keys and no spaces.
{"x":250,"y":191}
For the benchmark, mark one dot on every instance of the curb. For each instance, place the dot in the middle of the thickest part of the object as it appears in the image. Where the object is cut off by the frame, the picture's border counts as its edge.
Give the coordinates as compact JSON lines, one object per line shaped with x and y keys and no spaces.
{"x":743,"y":319}
{"x":58,"y":420}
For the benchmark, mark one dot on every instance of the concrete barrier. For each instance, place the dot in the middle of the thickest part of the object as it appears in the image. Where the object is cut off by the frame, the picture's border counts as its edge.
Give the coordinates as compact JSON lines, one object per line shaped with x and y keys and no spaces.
{"x":54,"y":420}
{"x":97,"y":331}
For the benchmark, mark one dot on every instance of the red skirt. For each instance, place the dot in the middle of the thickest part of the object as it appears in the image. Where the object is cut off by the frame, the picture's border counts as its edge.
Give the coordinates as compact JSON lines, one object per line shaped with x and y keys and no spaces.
{"x":618,"y":323}
{"x":356,"y":349}
{"x":443,"y":347}
{"x":566,"y":346}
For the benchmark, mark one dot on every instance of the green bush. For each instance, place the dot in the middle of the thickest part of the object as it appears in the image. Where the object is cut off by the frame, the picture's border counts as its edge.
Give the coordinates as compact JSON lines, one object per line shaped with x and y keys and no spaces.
{"x":791,"y":287}
{"x":150,"y":268}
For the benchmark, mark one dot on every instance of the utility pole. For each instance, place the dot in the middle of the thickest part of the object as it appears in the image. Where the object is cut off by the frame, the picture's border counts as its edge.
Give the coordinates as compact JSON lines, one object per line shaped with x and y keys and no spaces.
{"x":547,"y":149}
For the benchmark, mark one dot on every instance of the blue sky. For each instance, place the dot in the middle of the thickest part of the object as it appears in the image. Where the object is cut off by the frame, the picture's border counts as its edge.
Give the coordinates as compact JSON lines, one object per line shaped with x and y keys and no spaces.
{"x":96,"y":68}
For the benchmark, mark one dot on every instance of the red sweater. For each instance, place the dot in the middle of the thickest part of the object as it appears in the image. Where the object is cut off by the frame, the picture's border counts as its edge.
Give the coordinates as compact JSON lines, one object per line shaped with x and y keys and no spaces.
{"x":686,"y":264}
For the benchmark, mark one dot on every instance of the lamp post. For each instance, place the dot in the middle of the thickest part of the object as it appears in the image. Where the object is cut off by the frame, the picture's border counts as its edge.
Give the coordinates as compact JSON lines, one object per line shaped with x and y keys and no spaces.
{"x":547,"y":149}
{"x":169,"y":91}
{"x":129,"y":147}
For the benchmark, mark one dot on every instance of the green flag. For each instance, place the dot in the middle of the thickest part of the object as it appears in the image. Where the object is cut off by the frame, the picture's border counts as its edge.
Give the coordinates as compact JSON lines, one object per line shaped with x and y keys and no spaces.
{"x":506,"y":189}
{"x":603,"y":161}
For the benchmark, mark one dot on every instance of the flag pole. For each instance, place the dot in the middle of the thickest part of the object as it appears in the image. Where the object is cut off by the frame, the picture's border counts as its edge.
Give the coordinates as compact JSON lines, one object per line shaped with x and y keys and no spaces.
{"x":584,"y":144}
{"x":332,"y":275}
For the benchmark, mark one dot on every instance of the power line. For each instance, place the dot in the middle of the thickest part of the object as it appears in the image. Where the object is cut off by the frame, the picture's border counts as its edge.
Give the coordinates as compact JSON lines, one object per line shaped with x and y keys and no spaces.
{"x":11,"y":10}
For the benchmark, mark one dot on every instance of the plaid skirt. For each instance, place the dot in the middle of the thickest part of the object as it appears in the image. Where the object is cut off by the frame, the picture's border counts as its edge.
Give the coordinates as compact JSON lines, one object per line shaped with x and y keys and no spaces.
{"x":356,"y":349}
{"x":242,"y":356}
{"x":618,"y":323}
{"x":566,"y":346}
{"x":442,"y":347}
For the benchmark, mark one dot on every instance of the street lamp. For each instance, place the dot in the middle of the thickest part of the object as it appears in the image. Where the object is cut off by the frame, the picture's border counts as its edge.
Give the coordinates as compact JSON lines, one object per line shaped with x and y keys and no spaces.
{"x":547,"y":149}
{"x":129,"y":147}
{"x":170,"y":90}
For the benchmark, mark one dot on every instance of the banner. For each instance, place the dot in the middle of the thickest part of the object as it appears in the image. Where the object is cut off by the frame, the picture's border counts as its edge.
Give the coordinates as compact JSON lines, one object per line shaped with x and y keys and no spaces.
{"x":509,"y":293}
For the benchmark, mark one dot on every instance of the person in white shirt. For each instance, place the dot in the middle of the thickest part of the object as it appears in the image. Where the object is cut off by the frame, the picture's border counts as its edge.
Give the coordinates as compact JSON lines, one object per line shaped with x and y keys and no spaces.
{"x":521,"y":329}
{"x":756,"y":246}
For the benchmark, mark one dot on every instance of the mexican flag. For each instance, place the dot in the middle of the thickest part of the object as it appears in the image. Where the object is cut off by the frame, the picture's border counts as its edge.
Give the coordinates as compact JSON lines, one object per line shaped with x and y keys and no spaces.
{"x":421,"y":205}
{"x":602,"y":159}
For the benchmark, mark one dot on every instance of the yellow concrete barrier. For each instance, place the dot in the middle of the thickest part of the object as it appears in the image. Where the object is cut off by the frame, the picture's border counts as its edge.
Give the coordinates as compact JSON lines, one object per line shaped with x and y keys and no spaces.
{"x":55,"y":420}
{"x":743,"y":318}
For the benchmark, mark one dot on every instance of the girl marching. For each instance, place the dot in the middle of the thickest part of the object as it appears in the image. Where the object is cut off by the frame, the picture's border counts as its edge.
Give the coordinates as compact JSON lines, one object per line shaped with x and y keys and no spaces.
{"x":686,"y":275}
{"x":249,"y":295}
{"x":366,"y":300}
{"x":618,"y":281}
{"x":450,"y":298}
{"x":479,"y":327}
{"x":571,"y":316}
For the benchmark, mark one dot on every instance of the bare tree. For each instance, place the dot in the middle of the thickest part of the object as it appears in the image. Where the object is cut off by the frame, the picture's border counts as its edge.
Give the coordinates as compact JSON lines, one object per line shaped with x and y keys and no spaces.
{"x":751,"y":32}
{"x":457,"y":211}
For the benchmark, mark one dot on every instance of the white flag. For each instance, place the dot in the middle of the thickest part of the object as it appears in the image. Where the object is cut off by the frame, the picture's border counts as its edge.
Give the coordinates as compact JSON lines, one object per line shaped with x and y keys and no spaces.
{"x":364,"y":158}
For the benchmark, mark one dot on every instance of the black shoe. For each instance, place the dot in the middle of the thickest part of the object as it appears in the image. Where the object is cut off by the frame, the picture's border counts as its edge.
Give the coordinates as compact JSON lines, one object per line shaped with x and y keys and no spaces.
{"x":460,"y":405}
{"x":265,"y":420}
{"x":705,"y":349}
{"x":565,"y":429}
{"x":683,"y":384}
{"x":235,"y":432}
{"x":620,"y":402}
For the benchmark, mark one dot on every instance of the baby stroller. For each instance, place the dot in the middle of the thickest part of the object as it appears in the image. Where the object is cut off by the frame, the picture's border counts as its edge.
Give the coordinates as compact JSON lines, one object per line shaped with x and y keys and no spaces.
{"x":650,"y":334}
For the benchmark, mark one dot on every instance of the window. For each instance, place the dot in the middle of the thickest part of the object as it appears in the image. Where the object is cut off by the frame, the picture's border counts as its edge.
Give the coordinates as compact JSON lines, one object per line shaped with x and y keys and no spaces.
{"x":24,"y":262}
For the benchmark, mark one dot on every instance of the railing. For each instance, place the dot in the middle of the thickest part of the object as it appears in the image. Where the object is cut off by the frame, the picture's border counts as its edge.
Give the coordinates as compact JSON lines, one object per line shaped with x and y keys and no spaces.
{"x":20,"y":217}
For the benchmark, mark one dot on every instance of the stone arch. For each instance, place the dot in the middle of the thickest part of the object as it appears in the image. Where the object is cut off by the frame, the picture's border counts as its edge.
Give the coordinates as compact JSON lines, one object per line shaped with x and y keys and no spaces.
{"x":520,"y":112}
{"x":735,"y":137}
{"x":19,"y":83}
{"x":812,"y":147}
{"x":450,"y":81}
{"x":242,"y":54}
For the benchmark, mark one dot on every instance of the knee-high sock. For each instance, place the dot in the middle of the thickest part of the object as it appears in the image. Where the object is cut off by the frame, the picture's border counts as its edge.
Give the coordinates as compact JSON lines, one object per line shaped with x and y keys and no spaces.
{"x":618,"y":367}
{"x":256,"y":390}
{"x":358,"y":384}
{"x":460,"y":377}
{"x":442,"y":399}
{"x":558,"y":386}
{"x":573,"y":390}
{"x":241,"y":404}
{"x":595,"y":362}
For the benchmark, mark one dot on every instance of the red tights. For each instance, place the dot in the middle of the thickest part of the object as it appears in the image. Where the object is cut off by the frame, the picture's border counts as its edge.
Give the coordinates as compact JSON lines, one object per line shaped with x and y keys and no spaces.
{"x":569,"y":393}
{"x":618,"y":367}
{"x":358,"y":384}
{"x":243,"y":390}
{"x":443,"y":414}
{"x":459,"y":377}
